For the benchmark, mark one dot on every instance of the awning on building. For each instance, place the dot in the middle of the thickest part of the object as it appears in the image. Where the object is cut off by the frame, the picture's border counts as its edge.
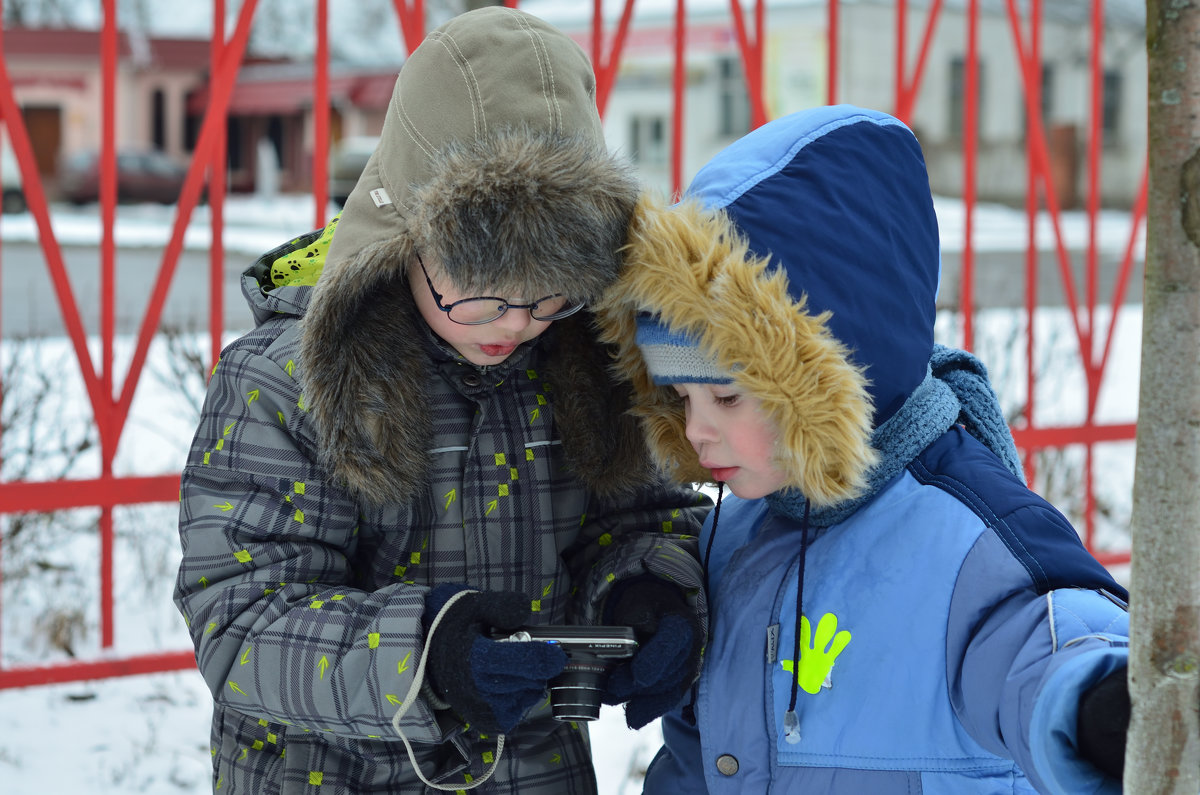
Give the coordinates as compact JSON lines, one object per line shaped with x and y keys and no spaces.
{"x":284,"y":96}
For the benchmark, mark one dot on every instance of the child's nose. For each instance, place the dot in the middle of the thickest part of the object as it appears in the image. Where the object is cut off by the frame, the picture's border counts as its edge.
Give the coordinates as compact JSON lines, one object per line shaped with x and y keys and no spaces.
{"x":700,"y":429}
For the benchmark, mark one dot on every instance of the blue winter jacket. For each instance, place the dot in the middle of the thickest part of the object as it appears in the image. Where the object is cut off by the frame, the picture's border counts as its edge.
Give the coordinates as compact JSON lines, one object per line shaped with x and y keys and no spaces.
{"x":949,"y":618}
{"x":962,"y":667}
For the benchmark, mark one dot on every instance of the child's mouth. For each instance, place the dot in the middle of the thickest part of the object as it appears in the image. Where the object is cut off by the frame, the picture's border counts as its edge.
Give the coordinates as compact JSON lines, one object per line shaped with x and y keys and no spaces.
{"x":723,"y":474}
{"x":497,"y":350}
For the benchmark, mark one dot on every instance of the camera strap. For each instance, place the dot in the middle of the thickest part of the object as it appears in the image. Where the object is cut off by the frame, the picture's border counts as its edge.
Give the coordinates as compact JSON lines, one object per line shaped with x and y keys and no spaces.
{"x":415,"y":688}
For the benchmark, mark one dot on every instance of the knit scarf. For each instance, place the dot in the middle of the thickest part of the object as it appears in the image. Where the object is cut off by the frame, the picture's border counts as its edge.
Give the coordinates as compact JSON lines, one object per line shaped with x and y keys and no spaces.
{"x":955,"y":390}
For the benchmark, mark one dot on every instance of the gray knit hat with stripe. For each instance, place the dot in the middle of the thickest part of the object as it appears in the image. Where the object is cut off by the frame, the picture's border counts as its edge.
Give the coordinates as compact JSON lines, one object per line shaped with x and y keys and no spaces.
{"x":675,"y":357}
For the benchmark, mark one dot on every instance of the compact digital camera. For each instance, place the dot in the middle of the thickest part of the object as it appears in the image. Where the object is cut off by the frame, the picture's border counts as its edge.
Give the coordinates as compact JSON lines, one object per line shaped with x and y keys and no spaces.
{"x":592,"y":652}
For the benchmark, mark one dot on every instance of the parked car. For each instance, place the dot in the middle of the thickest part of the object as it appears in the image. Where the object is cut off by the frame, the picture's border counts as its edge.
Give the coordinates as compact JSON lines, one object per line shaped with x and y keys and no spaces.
{"x":347,"y":158}
{"x":13,"y":198}
{"x":142,"y":176}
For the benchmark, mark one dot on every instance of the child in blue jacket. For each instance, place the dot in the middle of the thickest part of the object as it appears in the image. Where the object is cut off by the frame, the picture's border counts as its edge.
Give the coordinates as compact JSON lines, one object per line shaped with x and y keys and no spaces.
{"x":893,"y":610}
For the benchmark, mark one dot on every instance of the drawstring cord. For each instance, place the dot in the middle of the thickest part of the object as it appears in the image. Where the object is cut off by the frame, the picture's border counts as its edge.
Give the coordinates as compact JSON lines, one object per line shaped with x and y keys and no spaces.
{"x":415,"y":688}
{"x":791,"y":722}
{"x":689,"y":709}
{"x":712,"y":536}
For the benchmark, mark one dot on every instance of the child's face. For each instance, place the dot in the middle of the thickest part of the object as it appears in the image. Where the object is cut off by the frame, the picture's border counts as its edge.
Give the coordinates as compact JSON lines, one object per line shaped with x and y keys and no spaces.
{"x":733,"y":438}
{"x":486,"y":344}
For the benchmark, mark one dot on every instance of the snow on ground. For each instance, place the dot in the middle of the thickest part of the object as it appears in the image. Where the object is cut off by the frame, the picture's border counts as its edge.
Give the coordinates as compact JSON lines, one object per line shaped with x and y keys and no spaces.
{"x":253,"y":224}
{"x":149,"y":734}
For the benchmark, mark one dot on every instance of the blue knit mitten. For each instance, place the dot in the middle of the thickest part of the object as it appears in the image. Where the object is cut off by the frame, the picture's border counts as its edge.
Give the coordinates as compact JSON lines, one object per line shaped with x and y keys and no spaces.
{"x":668,"y":656}
{"x":489,"y":684}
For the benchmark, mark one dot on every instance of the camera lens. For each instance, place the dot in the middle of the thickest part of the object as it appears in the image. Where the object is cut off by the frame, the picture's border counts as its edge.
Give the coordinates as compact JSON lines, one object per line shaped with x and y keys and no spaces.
{"x":576,"y":693}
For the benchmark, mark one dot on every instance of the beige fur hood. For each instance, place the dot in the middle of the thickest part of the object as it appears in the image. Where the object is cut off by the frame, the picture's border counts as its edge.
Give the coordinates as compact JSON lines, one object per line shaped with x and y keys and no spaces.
{"x":690,"y":266}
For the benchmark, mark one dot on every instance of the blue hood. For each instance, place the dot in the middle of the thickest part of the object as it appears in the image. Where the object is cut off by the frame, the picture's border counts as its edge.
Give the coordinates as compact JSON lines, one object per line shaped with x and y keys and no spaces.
{"x":860,"y":239}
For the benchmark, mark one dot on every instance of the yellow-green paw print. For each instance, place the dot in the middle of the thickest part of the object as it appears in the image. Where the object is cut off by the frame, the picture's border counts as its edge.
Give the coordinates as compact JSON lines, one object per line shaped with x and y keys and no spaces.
{"x":817,"y":655}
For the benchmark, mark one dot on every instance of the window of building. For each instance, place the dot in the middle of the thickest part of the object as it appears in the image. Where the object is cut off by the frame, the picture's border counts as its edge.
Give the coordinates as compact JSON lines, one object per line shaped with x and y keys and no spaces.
{"x":1047,"y":100}
{"x":1113,"y":87}
{"x":958,"y":97}
{"x":733,"y":98}
{"x":648,"y":140}
{"x":235,"y":137}
{"x":158,"y":119}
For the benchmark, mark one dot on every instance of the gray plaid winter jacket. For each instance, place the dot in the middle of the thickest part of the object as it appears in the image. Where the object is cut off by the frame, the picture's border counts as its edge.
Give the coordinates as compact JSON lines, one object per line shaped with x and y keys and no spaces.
{"x":304,"y":595}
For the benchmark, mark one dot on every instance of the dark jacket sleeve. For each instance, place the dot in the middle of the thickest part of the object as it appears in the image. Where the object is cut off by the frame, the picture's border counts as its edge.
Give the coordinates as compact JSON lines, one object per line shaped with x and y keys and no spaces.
{"x":654,"y":531}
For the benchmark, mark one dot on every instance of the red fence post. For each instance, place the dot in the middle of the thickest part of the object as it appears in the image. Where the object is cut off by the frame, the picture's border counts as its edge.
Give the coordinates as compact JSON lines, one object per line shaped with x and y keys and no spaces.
{"x":216,"y":206}
{"x":607,"y":65}
{"x":833,"y":37}
{"x":110,"y":414}
{"x":752,"y":58}
{"x":678,"y":85}
{"x":320,"y":172}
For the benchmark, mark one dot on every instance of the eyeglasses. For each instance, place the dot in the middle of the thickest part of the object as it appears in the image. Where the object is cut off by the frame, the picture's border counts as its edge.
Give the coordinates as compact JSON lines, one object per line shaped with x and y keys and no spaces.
{"x":485,"y":309}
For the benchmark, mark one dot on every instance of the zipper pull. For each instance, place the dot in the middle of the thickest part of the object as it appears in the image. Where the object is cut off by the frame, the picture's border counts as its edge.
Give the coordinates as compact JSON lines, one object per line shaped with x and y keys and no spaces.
{"x":791,"y":727}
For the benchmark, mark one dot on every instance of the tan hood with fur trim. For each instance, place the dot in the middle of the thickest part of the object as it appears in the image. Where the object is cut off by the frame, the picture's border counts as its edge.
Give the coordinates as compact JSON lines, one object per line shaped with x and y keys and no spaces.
{"x":692,"y":268}
{"x":491,"y":163}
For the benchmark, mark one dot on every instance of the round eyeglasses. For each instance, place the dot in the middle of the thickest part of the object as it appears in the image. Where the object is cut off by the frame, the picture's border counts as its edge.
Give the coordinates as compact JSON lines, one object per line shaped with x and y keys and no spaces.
{"x":485,"y":309}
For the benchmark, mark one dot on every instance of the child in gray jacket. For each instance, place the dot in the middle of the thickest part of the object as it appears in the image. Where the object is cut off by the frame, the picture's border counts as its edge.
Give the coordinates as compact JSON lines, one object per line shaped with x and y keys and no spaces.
{"x":420,"y":445}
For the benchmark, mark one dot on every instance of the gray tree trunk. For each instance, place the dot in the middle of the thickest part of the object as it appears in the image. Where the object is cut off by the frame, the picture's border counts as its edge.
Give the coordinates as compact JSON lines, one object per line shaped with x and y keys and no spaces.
{"x":1163,"y":751}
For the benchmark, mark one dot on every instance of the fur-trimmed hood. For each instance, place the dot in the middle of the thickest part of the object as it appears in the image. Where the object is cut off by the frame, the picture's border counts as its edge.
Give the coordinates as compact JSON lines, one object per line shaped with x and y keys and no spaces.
{"x":804,"y":258}
{"x":491,"y":164}
{"x":690,"y":267}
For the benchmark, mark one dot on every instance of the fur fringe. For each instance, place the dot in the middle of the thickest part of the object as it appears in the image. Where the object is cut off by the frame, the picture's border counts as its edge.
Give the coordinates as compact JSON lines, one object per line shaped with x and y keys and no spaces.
{"x":691,"y":266}
{"x":363,"y":369}
{"x":526,"y":213}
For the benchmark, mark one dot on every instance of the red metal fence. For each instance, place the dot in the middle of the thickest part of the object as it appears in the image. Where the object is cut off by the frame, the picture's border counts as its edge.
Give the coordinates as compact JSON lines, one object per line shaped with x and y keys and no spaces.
{"x":111,"y":411}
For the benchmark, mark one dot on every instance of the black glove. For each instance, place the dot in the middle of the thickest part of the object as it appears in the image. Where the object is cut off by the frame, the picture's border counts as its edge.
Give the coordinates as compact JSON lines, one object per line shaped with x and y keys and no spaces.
{"x":1104,"y":722}
{"x":489,"y":684}
{"x":668,"y":655}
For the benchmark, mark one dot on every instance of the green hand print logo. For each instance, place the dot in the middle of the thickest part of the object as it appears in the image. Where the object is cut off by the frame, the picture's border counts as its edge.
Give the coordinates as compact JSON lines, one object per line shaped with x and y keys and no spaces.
{"x":817,"y":657}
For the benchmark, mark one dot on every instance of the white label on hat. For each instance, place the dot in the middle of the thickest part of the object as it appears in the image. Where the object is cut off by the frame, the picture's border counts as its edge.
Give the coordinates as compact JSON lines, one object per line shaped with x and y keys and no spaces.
{"x":380,"y":197}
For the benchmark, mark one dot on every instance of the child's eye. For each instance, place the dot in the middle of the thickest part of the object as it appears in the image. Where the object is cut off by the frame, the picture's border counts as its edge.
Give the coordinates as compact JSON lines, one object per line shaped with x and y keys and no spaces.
{"x":726,"y":400}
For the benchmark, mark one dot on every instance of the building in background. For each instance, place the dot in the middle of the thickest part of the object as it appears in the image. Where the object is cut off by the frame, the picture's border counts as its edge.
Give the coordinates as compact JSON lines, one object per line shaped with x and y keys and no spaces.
{"x":273,"y":102}
{"x":638,"y":117}
{"x":57,"y":83}
{"x":162,"y":93}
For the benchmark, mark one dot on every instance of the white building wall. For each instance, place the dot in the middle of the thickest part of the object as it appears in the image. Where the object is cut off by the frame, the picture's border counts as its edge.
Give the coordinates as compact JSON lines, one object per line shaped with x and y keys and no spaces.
{"x":73,"y":86}
{"x":868,"y":78}
{"x":795,"y":75}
